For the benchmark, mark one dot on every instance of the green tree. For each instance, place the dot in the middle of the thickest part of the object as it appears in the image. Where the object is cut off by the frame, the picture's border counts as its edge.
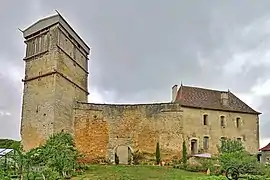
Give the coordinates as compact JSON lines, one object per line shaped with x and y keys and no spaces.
{"x":157,"y":153}
{"x":57,"y":158}
{"x":233,"y":154}
{"x":184,"y":154}
{"x":8,"y":143}
{"x":230,"y":145}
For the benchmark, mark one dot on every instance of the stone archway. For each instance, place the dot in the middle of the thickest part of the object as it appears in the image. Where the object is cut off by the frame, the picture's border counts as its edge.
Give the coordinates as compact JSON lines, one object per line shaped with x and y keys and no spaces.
{"x":124,"y":154}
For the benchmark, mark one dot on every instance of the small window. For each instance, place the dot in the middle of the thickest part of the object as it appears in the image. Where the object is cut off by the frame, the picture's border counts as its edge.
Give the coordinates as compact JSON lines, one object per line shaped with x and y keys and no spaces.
{"x":244,"y":137}
{"x":223,"y":138}
{"x":222,"y":121}
{"x":237,"y":122}
{"x":205,"y":143}
{"x":205,"y":119}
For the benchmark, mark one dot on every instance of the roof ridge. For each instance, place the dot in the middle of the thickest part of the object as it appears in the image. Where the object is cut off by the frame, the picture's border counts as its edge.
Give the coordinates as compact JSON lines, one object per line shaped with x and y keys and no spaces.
{"x":42,"y":19}
{"x":244,"y":103}
{"x":200,"y":97}
{"x":203,"y":88}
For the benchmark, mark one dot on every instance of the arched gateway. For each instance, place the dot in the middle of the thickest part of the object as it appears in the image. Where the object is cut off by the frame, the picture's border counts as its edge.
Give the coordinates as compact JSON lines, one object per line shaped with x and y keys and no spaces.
{"x":124,"y":154}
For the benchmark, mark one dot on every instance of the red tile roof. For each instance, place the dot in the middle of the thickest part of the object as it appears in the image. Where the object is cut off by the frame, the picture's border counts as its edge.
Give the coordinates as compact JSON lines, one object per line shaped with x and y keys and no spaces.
{"x":211,"y":99}
{"x":266,"y":148}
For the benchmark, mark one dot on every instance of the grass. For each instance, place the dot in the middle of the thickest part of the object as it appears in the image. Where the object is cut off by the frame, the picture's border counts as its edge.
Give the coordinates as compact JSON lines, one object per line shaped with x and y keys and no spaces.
{"x":112,"y":172}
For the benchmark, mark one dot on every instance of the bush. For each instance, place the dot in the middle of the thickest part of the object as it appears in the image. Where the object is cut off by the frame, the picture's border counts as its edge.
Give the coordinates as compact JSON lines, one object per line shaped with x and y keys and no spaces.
{"x":137,"y":157}
{"x":116,"y":159}
{"x":8,"y":143}
{"x":157,"y":153}
{"x":230,"y":146}
{"x":233,"y":154}
{"x":184,"y":154}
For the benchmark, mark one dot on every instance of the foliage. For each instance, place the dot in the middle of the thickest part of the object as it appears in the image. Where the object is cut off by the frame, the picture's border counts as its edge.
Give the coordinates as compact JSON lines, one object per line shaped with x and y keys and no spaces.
{"x":242,"y":160}
{"x":57,"y":158}
{"x":201,"y":165}
{"x":230,"y":146}
{"x":8,"y":143}
{"x":184,"y":154}
{"x":157,"y":153}
{"x":137,"y":157}
{"x":58,"y":154}
{"x":116,"y":159}
{"x":233,"y":154}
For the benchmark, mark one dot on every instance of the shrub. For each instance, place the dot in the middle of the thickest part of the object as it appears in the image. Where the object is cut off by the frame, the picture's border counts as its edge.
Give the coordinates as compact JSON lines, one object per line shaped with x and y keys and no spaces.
{"x":243,"y":161}
{"x":184,"y":154}
{"x":137,"y":157}
{"x":157,"y":153}
{"x":8,"y":143}
{"x":230,"y":146}
{"x":116,"y":159}
{"x":233,"y":154}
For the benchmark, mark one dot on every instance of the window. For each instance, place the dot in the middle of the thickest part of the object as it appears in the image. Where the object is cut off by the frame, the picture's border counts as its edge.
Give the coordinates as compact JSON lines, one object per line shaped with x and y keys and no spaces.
{"x":205,"y":119}
{"x":222,"y":140}
{"x":193,"y":147}
{"x":222,"y":121}
{"x":237,"y":122}
{"x":244,"y":137}
{"x":205,"y":143}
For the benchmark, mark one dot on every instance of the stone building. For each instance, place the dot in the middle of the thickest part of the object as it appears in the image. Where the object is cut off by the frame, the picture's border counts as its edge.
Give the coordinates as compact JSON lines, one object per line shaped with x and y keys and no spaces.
{"x":264,"y":154}
{"x":55,"y":99}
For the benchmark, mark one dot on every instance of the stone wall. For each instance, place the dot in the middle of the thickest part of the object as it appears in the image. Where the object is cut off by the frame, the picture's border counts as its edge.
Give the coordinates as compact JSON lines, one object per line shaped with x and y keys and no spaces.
{"x":39,"y":89}
{"x":100,"y":129}
{"x":194,"y":128}
{"x":70,"y":81}
{"x":55,"y":78}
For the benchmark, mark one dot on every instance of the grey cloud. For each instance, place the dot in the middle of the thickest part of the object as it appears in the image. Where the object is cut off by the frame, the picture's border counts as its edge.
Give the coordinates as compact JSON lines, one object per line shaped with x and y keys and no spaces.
{"x":161,"y":41}
{"x":141,"y":48}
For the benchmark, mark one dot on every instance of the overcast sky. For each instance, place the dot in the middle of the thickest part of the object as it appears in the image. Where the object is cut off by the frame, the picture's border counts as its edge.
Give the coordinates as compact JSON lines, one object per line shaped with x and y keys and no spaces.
{"x":141,"y":48}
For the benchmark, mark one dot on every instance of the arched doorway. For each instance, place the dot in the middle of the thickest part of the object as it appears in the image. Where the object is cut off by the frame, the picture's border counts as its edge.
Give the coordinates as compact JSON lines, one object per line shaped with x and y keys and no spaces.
{"x":193,"y":146}
{"x":124,"y":154}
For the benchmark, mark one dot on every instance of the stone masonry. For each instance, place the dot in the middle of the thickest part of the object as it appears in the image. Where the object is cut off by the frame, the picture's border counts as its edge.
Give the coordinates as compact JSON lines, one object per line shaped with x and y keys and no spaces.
{"x":55,"y":99}
{"x":56,"y":76}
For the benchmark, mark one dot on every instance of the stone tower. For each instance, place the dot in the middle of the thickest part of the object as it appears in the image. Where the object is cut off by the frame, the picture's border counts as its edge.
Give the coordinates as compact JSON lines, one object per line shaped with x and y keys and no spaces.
{"x":56,"y":75}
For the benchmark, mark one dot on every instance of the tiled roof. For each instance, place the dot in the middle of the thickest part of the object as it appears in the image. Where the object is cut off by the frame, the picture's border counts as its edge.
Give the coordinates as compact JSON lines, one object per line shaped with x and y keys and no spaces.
{"x":211,"y":99}
{"x":266,"y":148}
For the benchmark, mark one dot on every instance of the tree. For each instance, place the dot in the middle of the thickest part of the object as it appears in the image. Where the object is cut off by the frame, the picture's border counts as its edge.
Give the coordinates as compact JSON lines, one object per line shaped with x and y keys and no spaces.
{"x":8,"y":143}
{"x":157,"y":153}
{"x":233,"y":154}
{"x":57,"y":158}
{"x":230,"y":145}
{"x":184,"y":154}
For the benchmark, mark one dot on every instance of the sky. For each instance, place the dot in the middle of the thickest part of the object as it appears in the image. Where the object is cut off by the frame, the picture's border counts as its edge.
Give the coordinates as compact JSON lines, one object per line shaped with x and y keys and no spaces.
{"x":140,"y":49}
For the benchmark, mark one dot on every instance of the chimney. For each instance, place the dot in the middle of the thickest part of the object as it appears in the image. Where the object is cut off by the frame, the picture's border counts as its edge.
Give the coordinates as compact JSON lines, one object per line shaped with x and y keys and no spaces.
{"x":225,"y":98}
{"x":174,"y":92}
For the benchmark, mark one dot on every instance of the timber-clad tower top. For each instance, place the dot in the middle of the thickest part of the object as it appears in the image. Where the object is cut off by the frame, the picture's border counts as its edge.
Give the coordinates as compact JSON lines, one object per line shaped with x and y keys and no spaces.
{"x":56,"y":76}
{"x":51,"y":21}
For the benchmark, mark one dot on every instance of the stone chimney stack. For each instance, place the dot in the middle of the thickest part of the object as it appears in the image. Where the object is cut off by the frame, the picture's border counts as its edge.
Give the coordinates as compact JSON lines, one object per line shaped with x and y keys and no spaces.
{"x":174,"y":92}
{"x":225,"y":98}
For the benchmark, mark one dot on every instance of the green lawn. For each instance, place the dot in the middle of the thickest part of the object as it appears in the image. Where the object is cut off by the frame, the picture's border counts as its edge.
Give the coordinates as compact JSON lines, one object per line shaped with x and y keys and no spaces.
{"x":112,"y":172}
